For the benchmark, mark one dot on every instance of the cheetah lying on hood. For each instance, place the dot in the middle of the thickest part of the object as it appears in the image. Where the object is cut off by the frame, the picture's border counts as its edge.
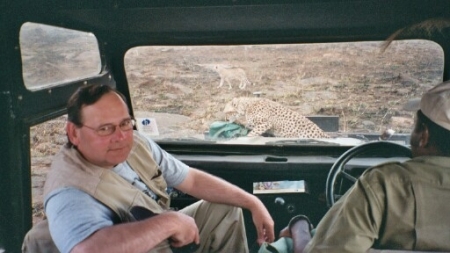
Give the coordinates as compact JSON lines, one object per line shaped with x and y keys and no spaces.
{"x":265,"y":116}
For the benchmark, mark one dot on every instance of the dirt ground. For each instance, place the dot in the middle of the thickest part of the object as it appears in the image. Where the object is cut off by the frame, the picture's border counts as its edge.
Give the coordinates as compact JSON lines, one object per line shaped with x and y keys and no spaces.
{"x":367,"y":89}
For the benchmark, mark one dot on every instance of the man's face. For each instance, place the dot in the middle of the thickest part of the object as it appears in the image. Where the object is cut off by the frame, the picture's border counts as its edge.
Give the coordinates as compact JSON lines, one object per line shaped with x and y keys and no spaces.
{"x":418,"y":139}
{"x":105,"y":151}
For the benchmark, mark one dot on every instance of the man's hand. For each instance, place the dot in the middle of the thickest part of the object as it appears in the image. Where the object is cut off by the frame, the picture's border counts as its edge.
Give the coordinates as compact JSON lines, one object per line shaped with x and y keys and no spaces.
{"x":186,"y":230}
{"x":263,"y":222}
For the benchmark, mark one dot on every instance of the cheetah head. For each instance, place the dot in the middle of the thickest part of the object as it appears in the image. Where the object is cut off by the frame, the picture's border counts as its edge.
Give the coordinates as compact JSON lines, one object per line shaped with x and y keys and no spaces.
{"x":235,"y":111}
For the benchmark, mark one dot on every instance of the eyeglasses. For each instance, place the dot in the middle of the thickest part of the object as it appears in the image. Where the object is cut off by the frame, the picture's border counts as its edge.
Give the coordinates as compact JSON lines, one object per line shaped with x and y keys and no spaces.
{"x":108,"y":129}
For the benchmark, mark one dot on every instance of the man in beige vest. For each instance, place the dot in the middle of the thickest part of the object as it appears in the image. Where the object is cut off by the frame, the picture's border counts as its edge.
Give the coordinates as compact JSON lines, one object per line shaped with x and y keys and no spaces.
{"x":397,"y":206}
{"x":106,"y":169}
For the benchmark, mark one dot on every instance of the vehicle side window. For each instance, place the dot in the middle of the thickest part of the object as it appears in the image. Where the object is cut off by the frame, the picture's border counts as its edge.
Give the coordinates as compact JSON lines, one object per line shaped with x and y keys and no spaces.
{"x":53,"y":55}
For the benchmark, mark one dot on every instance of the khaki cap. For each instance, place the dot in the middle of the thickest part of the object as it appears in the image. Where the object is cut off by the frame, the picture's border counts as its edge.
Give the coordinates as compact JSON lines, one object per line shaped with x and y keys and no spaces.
{"x":435,"y":104}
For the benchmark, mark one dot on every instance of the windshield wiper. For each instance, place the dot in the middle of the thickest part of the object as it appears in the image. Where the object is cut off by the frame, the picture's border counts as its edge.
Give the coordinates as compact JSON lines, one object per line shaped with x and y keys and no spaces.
{"x":189,"y":139}
{"x":302,"y":142}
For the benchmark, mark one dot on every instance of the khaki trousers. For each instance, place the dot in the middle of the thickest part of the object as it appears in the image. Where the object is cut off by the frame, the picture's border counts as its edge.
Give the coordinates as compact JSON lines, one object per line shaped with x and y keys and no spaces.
{"x":221,"y":227}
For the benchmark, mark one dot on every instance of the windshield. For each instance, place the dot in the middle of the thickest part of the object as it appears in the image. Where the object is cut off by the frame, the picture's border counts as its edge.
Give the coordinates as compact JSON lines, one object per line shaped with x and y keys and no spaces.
{"x":348,"y":92}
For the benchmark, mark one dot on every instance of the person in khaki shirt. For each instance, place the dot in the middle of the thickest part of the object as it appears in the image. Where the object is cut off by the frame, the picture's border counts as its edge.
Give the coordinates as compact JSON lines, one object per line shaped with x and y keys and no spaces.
{"x":393,"y":205}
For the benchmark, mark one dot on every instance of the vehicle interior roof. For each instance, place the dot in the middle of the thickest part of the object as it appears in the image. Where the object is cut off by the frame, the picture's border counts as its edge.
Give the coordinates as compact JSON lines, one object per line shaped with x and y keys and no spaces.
{"x":233,"y":20}
{"x":119,"y":25}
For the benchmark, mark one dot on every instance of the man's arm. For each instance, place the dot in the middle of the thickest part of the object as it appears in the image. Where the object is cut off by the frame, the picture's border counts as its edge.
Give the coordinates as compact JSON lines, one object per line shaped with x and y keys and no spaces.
{"x":210,"y":188}
{"x":213,"y":189}
{"x":79,"y":223}
{"x":142,"y":236}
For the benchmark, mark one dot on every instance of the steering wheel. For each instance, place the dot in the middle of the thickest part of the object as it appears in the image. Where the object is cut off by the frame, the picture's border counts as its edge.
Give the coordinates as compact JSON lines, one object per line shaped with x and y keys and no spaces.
{"x":337,"y":175}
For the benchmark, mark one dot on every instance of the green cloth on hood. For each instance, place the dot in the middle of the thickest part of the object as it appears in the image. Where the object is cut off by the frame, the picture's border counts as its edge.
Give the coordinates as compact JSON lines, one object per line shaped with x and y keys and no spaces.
{"x":226,"y":130}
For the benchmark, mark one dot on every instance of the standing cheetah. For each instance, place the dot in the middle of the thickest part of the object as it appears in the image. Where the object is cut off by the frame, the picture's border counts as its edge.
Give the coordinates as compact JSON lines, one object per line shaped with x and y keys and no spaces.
{"x":265,"y":116}
{"x":228,"y":73}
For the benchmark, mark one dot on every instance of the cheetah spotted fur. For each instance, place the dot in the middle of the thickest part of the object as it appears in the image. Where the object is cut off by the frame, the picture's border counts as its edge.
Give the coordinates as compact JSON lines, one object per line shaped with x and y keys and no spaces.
{"x":262,"y":115}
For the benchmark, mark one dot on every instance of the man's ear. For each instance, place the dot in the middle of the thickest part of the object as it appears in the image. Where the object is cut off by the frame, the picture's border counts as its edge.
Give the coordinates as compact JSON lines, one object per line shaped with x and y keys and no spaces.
{"x":424,"y":136}
{"x":72,"y":133}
